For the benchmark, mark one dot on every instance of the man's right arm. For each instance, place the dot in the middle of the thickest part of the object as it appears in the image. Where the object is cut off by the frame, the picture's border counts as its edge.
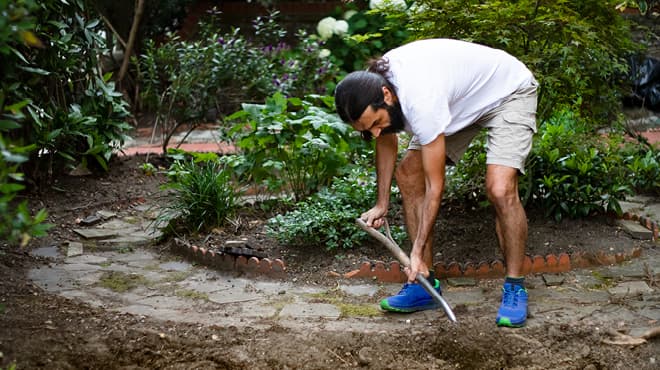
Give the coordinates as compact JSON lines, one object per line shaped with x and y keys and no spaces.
{"x":386,"y":153}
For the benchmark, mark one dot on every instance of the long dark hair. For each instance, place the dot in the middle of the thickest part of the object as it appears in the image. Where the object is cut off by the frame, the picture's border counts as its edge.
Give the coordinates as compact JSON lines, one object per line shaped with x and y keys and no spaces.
{"x":361,"y":89}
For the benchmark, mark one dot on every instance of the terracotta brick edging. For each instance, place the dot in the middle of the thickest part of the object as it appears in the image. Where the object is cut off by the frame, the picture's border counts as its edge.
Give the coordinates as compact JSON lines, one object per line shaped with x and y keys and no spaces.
{"x":393,"y":273}
{"x":252,"y":266}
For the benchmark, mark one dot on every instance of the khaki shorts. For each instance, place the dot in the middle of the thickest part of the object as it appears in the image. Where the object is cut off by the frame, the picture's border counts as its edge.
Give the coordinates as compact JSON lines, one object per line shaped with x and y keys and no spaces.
{"x":511,"y":127}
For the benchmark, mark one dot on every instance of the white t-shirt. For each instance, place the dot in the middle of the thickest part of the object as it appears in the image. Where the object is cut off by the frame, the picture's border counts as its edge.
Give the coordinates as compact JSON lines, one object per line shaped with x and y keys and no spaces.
{"x":445,"y":85}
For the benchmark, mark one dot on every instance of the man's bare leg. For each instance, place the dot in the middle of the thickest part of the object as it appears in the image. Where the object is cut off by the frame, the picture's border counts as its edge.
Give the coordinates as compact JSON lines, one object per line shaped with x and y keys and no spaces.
{"x":410,"y":179}
{"x":511,"y":220}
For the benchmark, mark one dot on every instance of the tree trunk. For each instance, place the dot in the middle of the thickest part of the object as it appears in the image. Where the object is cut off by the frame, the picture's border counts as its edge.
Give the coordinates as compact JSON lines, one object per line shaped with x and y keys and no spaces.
{"x":139,"y":8}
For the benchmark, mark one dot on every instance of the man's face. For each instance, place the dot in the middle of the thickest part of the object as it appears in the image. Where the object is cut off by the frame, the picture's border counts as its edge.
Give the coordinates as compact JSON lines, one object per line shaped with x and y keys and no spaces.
{"x":381,"y":121}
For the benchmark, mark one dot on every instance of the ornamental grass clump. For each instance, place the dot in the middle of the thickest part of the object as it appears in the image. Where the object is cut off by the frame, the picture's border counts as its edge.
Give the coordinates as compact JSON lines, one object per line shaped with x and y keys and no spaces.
{"x":202,"y":195}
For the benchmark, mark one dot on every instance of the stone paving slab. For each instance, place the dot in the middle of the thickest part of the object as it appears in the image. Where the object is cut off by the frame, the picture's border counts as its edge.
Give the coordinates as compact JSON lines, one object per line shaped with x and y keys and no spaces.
{"x":630,"y":288}
{"x":311,"y":310}
{"x":136,"y":255}
{"x":635,"y":229}
{"x":74,"y":249}
{"x":86,"y":259}
{"x":137,"y":238}
{"x":97,"y":233}
{"x":51,"y":280}
{"x":462,"y":282}
{"x":467,"y":297}
{"x":164,"y":302}
{"x":232,"y":296}
{"x":82,"y":295}
{"x":628,"y":270}
{"x":81,"y":267}
{"x":360,"y":290}
{"x":258,"y":310}
{"x":176,"y":266}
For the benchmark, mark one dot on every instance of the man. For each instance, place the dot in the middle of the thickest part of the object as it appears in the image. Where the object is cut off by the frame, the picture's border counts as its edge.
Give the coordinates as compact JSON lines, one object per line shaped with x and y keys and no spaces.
{"x":443,"y":92}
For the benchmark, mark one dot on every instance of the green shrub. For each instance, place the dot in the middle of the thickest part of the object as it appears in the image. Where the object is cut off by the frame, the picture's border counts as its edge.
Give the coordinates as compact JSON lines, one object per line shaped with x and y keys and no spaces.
{"x":643,"y":168}
{"x":202,"y":194}
{"x":576,"y":49}
{"x":369,"y":34}
{"x":74,"y":115}
{"x":466,"y":180}
{"x":293,"y":145}
{"x":327,"y":218}
{"x":17,"y":224}
{"x":573,"y":172}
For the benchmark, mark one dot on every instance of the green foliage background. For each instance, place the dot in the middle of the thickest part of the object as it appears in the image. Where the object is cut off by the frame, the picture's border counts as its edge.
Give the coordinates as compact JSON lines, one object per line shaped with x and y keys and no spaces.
{"x":58,"y":110}
{"x":576,"y":49}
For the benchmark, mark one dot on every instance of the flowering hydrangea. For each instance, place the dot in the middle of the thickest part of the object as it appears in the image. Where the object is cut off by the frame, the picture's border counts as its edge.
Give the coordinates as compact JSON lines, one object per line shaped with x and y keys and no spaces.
{"x":326,"y":27}
{"x":349,"y":13}
{"x":380,"y":4}
{"x":341,"y":27}
{"x":329,"y":26}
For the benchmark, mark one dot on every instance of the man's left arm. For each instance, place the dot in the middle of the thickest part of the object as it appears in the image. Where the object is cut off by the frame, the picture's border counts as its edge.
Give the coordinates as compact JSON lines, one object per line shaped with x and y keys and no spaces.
{"x":433,"y":161}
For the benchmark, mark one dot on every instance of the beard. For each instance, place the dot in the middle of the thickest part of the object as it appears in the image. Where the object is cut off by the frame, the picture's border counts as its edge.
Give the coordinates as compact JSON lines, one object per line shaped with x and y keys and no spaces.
{"x":397,"y":121}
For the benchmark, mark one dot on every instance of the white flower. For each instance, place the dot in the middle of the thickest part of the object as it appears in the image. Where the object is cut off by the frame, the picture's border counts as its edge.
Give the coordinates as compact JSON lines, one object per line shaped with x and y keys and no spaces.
{"x":326,"y":27}
{"x":380,"y":4}
{"x":340,"y":28}
{"x":324,"y":53}
{"x":417,"y":8}
{"x":349,"y":14}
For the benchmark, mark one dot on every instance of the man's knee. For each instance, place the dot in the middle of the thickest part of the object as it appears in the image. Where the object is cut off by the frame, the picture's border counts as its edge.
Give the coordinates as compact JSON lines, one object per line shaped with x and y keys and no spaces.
{"x":502,"y":189}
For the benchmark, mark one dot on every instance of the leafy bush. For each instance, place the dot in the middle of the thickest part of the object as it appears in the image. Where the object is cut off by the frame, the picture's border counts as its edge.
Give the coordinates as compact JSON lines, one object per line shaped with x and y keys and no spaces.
{"x":327,"y":218}
{"x":466,"y":180}
{"x":185,"y":80}
{"x":202,"y":194}
{"x":368,"y":34}
{"x":643,"y":167}
{"x":74,"y":113}
{"x":17,"y":225}
{"x":573,"y":172}
{"x":292,"y":144}
{"x":576,"y":49}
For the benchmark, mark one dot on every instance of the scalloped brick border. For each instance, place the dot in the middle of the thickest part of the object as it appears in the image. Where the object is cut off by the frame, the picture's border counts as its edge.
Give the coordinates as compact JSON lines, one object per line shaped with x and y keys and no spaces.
{"x":252,"y":266}
{"x":394,"y":273}
{"x":533,"y":264}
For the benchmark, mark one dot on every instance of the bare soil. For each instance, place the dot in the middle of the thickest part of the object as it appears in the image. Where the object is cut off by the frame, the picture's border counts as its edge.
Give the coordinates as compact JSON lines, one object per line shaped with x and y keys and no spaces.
{"x":41,"y":330}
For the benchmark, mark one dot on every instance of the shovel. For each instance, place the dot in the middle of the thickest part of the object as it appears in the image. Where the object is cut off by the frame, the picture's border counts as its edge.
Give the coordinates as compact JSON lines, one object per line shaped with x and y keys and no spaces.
{"x":405,"y":260}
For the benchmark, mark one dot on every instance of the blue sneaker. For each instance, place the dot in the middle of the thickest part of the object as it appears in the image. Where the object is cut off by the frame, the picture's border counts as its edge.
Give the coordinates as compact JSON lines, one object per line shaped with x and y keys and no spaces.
{"x":411,"y":298}
{"x":513,"y":310}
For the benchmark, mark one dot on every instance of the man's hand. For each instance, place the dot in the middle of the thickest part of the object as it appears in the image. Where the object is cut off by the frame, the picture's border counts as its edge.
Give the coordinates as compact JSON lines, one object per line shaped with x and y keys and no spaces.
{"x":374,"y":217}
{"x":417,"y":265}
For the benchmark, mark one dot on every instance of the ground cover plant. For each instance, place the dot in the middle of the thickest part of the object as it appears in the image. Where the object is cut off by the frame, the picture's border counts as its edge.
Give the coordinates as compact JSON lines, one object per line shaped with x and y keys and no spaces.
{"x":327,"y":218}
